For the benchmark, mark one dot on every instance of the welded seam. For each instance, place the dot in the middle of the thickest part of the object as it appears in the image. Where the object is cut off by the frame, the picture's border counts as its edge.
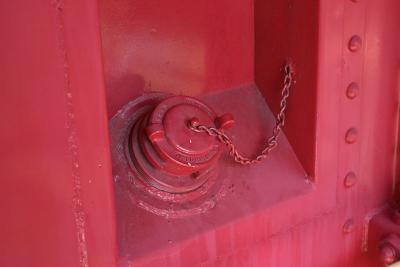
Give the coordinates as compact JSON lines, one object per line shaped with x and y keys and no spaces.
{"x":70,"y":125}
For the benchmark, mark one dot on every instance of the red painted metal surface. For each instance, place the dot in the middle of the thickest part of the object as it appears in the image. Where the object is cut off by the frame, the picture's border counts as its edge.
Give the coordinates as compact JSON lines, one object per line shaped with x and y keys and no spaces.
{"x":56,"y":193}
{"x":311,"y":203}
{"x":182,"y":48}
{"x":290,"y":30}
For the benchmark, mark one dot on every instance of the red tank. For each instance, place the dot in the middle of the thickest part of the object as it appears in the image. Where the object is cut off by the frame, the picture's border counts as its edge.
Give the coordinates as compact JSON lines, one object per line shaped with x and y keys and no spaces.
{"x":205,"y":133}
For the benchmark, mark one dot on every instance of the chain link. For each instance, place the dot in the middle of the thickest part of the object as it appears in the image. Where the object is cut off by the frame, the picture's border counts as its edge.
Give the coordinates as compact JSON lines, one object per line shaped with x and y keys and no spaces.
{"x":272,"y":141}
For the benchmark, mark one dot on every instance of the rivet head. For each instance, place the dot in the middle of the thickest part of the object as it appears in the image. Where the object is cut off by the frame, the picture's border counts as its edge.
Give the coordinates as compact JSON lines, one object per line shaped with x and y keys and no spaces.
{"x":348,"y":226}
{"x":350,"y":179}
{"x":351,"y":136}
{"x":355,"y":43}
{"x":352,"y":90}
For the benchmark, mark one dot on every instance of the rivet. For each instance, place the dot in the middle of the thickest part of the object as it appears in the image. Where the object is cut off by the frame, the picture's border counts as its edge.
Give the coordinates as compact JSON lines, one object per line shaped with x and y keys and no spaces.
{"x":350,"y":179}
{"x":352,"y":90}
{"x":351,"y":136}
{"x":355,"y":43}
{"x":348,"y":226}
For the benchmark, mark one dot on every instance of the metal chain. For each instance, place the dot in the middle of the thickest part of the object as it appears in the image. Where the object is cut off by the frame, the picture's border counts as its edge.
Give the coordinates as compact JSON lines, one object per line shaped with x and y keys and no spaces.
{"x":272,"y":141}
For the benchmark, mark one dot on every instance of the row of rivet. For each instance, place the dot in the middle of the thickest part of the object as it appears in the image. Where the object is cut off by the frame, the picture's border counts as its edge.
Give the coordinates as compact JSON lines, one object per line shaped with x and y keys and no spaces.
{"x":352,"y":91}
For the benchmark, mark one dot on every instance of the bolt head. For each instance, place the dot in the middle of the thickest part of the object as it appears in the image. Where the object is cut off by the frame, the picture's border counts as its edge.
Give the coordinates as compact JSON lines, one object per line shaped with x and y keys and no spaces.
{"x":388,"y":254}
